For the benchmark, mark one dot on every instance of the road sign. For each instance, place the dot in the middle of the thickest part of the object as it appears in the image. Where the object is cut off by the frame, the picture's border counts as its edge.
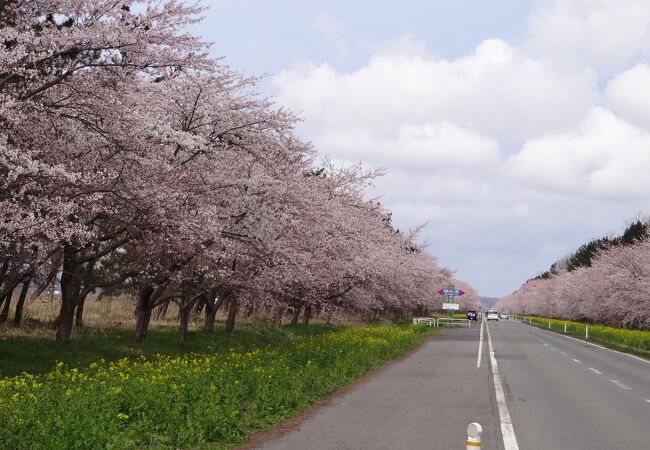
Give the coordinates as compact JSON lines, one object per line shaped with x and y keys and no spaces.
{"x":451,"y":292}
{"x":451,"y":306}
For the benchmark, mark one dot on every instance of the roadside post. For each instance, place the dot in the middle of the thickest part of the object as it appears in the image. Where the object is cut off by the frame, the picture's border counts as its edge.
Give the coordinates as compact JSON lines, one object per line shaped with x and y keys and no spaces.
{"x":474,"y":431}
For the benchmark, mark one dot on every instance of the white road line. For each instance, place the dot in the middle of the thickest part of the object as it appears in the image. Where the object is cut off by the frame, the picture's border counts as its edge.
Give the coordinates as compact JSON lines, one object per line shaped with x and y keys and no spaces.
{"x":576,"y":360}
{"x":595,"y":371}
{"x":545,"y":345}
{"x":647,"y":400}
{"x":480,"y":346}
{"x":564,"y":353}
{"x":507,"y":431}
{"x":647,"y":361}
{"x":553,"y":348}
{"x":621,"y":385}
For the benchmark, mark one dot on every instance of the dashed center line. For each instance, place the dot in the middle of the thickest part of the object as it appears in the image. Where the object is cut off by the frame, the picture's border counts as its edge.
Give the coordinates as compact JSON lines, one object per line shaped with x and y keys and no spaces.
{"x":545,"y":344}
{"x":647,"y":400}
{"x":553,"y":348}
{"x":564,"y":353}
{"x":621,"y":385}
{"x":576,"y":360}
{"x":595,"y":371}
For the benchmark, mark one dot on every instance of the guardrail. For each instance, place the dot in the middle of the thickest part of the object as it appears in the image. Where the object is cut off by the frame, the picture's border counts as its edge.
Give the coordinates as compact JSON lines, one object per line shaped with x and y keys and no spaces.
{"x":451,"y":322}
{"x":430,"y":321}
{"x":443,"y":322}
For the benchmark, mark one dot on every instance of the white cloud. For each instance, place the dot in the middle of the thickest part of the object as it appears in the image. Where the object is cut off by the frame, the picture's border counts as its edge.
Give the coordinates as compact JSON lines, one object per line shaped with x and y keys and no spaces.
{"x":605,"y":158}
{"x":602,"y":34}
{"x":629,"y":94}
{"x":436,"y":146}
{"x":496,"y":91}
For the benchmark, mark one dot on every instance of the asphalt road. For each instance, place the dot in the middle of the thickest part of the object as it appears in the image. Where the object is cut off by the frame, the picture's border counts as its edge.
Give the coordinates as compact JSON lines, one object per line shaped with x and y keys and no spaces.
{"x":563,"y":393}
{"x":423,"y":402}
{"x":560,"y":394}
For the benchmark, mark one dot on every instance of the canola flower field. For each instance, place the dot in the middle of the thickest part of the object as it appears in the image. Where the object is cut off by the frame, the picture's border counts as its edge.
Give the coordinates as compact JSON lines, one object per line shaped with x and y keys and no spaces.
{"x":210,"y":400}
{"x":633,"y":341}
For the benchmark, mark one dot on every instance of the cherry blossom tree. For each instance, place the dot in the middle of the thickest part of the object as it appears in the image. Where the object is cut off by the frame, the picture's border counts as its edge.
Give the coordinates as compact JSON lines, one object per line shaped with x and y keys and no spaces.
{"x":612,"y":290}
{"x":128,"y":157}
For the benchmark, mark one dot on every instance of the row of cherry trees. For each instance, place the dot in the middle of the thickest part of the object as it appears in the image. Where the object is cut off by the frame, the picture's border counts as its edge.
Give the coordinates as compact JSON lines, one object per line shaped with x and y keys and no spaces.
{"x":613,"y":290}
{"x":130,"y":158}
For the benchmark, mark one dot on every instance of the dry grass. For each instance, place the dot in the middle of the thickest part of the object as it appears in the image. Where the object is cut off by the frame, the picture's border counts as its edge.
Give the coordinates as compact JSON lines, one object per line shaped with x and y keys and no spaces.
{"x":104,"y":314}
{"x":110,"y":313}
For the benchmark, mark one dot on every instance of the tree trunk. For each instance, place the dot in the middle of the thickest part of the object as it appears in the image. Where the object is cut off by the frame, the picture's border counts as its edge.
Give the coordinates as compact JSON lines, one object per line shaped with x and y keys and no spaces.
{"x":4,"y":315}
{"x":18,"y":316}
{"x":210,"y":317}
{"x":3,"y":270}
{"x":198,"y":307}
{"x":143,"y":313}
{"x":276,"y":316}
{"x":233,"y":306}
{"x":79,"y":312}
{"x":184,"y":315}
{"x":306,"y":315}
{"x":78,"y":315}
{"x":161,"y":312}
{"x":211,"y":309}
{"x":295,"y":315}
{"x":88,"y":277}
{"x":70,"y":288}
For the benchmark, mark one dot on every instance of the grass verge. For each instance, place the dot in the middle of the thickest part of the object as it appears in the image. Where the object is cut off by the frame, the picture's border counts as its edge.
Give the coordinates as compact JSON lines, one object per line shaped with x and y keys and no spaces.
{"x":39,"y":354}
{"x":622,"y":339}
{"x":215,"y":398}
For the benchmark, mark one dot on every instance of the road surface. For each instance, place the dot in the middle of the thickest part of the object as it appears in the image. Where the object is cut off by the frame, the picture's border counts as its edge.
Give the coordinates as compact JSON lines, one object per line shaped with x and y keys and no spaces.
{"x":423,"y":402}
{"x":563,"y":393}
{"x":560,"y":393}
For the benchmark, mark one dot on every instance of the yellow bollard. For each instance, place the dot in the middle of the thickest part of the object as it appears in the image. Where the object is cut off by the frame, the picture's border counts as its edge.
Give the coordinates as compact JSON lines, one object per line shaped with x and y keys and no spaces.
{"x":474,"y":436}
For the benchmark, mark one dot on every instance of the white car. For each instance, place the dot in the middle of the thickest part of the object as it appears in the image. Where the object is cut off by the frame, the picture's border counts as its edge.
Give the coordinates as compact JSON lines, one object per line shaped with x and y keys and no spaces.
{"x":504,"y":316}
{"x":492,"y":315}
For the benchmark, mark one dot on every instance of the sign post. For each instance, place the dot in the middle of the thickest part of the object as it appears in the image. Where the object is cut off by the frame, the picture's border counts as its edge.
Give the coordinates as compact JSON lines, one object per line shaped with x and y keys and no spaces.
{"x":451,"y":293}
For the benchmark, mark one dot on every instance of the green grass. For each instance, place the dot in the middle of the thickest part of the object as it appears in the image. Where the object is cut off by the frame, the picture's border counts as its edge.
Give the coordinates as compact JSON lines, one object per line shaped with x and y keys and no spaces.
{"x":212,"y":398}
{"x":37,"y":355}
{"x":623,"y":339}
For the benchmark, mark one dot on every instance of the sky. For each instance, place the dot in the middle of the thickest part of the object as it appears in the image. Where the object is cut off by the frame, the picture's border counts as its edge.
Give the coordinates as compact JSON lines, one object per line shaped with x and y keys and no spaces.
{"x":516,"y":129}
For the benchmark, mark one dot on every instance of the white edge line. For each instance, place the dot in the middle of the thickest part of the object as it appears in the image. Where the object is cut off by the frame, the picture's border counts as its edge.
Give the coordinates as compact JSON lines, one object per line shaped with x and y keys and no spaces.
{"x":599,"y":346}
{"x":507,"y":431}
{"x":621,"y":385}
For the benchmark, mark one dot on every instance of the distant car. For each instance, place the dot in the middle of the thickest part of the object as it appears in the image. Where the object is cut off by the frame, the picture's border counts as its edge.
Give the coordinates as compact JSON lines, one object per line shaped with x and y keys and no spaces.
{"x":492,"y":315}
{"x":471,"y":315}
{"x":504,"y":316}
